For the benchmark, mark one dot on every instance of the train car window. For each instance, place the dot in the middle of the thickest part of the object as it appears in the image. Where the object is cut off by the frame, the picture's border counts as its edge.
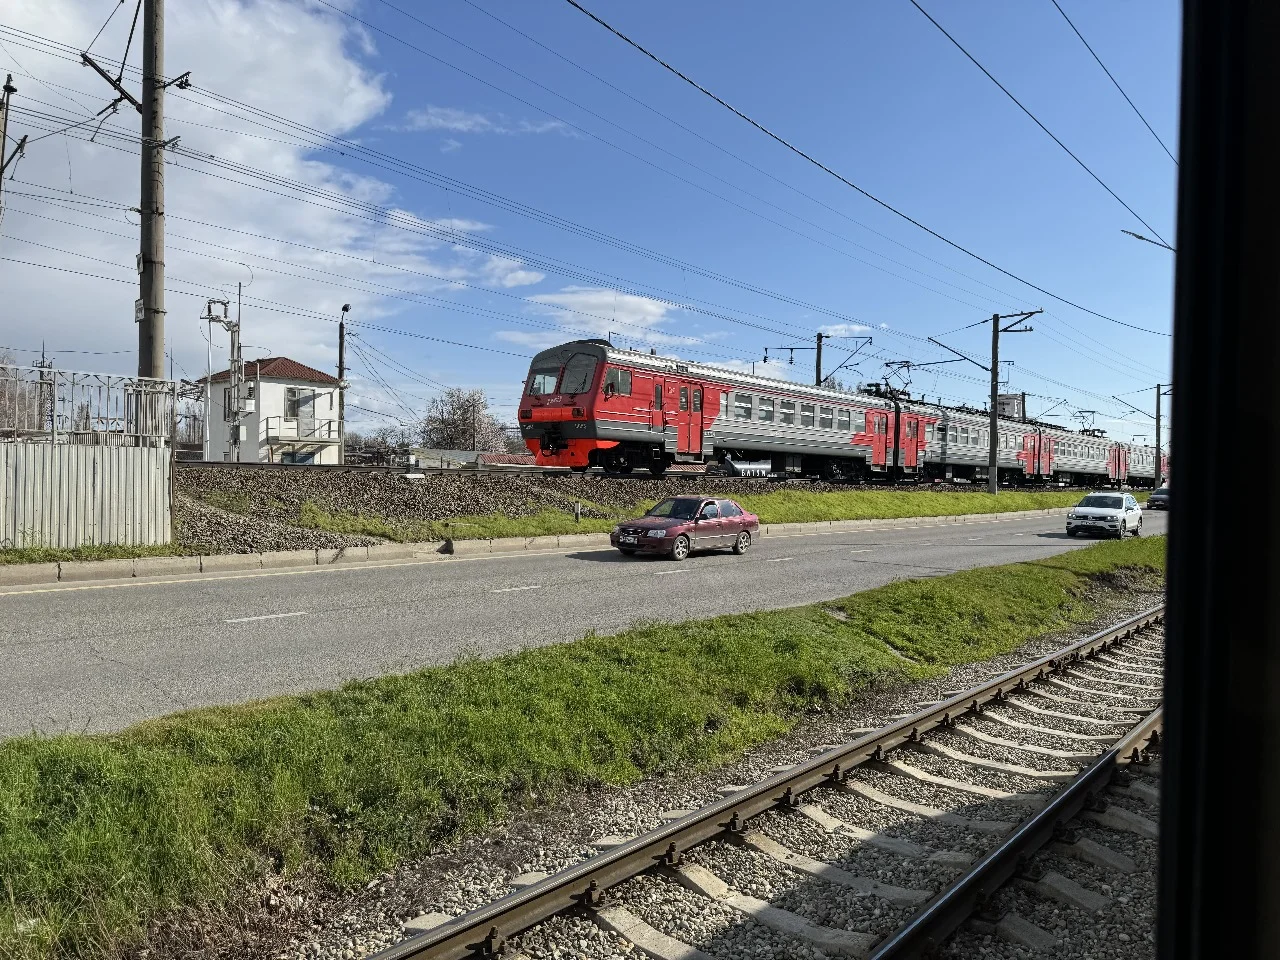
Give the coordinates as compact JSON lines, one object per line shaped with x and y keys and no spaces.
{"x":657,"y":396}
{"x":806,"y":414}
{"x":825,"y":417}
{"x":542,"y":380}
{"x":684,"y":398}
{"x":766,"y":409}
{"x":742,"y":406}
{"x":911,"y":429}
{"x":964,"y":435}
{"x":984,"y":438}
{"x":953,"y":435}
{"x":578,"y":374}
{"x":882,"y":425}
{"x":842,"y":421}
{"x":697,"y":399}
{"x":787,"y":411}
{"x":859,"y":421}
{"x":928,"y":433}
{"x":619,"y":380}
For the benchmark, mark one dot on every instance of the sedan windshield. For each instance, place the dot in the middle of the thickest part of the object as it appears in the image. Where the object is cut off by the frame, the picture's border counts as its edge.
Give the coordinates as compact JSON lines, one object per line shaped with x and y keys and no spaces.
{"x":676,"y":509}
{"x":1107,"y":503}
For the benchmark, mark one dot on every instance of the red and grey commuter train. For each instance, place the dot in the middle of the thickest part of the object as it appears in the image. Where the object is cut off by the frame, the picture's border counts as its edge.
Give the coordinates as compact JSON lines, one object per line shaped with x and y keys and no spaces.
{"x":588,"y":404}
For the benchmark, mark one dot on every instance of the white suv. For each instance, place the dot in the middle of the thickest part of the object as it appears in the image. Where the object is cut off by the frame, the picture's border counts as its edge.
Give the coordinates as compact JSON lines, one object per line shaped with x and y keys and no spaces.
{"x":1111,"y":514}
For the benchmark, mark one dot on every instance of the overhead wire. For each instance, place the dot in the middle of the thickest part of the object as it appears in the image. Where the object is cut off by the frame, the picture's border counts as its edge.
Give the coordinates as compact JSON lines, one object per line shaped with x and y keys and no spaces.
{"x":1021,"y":106}
{"x":849,"y":183}
{"x":1114,"y":81}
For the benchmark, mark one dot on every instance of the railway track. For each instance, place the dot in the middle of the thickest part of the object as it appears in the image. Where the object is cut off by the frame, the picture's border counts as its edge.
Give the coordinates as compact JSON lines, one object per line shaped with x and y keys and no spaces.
{"x":881,"y":847}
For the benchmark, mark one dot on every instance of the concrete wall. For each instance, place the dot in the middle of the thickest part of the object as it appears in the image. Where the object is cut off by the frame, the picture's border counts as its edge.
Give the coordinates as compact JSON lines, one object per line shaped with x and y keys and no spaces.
{"x":68,"y":495}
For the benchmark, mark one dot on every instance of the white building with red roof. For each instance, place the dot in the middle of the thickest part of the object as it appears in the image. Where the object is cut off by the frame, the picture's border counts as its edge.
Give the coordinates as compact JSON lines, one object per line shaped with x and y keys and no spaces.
{"x":289,"y":414}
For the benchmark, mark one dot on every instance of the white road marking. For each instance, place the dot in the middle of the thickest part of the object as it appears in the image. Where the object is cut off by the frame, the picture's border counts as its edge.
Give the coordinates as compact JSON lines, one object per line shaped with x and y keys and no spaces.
{"x":663,"y":573}
{"x":536,"y":586}
{"x":868,"y":550}
{"x":977,"y":538}
{"x":267,"y":616}
{"x":1019,"y":534}
{"x":778,"y":559}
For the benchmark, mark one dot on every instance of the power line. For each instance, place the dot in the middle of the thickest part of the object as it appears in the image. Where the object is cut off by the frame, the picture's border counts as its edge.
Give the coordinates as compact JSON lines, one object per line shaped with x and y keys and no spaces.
{"x":1114,"y":81}
{"x":1052,"y":136}
{"x":847,"y":182}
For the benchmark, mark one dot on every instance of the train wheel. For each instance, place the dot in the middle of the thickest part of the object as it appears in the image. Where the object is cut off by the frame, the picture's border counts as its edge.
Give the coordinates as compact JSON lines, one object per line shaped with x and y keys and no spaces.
{"x":658,"y":469}
{"x":577,"y":469}
{"x":743,"y":543}
{"x":680,"y":549}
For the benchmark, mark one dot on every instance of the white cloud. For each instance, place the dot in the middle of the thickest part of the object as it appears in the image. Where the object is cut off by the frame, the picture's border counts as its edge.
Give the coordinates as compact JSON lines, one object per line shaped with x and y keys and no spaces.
{"x":844,"y":329}
{"x":600,"y":312}
{"x":466,"y":121}
{"x":450,"y":145}
{"x":291,"y":59}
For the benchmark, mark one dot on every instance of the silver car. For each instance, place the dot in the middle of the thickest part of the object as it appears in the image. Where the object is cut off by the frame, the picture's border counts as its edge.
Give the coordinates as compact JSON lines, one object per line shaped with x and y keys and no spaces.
{"x":1105,"y":514}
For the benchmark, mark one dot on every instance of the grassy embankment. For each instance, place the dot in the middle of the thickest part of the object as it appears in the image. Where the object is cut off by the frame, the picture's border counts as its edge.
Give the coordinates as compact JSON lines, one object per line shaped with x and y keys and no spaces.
{"x":100,"y":833}
{"x":102,"y":552}
{"x":781,"y":506}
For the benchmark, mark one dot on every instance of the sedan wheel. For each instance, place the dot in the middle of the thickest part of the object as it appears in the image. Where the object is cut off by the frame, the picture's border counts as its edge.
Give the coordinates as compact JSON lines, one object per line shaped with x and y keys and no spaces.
{"x":680,"y":549}
{"x":1137,"y":531}
{"x":1124,"y":528}
{"x":743,"y":543}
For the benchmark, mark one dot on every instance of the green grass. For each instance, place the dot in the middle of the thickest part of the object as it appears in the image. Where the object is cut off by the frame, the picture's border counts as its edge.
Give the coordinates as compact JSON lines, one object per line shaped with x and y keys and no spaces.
{"x":104,"y":552}
{"x":99,"y":834}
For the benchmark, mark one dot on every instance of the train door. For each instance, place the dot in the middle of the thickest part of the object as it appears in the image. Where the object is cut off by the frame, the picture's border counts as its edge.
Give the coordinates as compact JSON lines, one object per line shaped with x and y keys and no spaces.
{"x":909,"y":438}
{"x":878,"y":427}
{"x":689,"y":419}
{"x":657,"y":415}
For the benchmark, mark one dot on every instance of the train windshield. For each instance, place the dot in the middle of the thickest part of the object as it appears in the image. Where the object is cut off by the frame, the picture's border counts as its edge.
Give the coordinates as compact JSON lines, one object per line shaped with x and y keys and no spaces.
{"x":542,"y":380}
{"x":578,"y":374}
{"x":676,"y":509}
{"x":1104,"y":503}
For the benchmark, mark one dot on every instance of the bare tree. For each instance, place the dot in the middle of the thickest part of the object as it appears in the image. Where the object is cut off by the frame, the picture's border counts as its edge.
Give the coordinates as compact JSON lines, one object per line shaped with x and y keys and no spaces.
{"x":460,"y":420}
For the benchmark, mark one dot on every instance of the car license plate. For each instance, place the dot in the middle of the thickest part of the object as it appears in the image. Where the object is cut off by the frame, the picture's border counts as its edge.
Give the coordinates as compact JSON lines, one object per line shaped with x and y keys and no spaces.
{"x":628,"y":539}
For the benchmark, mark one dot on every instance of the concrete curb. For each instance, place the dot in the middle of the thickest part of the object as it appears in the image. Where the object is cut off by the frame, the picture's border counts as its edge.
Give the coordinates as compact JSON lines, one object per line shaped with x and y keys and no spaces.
{"x":35,"y":574}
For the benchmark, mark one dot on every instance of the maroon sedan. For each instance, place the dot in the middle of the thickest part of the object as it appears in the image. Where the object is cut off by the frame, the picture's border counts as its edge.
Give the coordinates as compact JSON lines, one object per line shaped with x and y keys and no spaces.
{"x":675,"y":527}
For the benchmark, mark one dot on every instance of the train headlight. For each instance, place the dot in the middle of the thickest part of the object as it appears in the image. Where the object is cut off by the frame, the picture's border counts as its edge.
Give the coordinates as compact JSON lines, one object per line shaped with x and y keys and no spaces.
{"x":656,"y":534}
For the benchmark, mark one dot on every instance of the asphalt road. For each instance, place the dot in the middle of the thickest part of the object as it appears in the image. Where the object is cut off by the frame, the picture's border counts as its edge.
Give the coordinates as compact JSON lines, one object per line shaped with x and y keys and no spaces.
{"x":99,"y":656}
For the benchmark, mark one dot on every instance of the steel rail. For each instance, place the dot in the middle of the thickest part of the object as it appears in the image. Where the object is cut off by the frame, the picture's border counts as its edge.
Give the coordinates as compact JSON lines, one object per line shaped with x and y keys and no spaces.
{"x":482,"y":933}
{"x":929,"y":928}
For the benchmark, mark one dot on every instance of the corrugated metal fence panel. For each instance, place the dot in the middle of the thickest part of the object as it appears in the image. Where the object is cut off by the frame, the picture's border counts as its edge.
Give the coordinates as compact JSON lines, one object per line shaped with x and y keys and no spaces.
{"x":71,"y":495}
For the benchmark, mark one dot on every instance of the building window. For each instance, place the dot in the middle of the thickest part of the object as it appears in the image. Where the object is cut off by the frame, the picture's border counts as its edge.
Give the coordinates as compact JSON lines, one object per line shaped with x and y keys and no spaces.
{"x":825,"y":417}
{"x":806,"y":414}
{"x":787,"y":411}
{"x":684,"y":398}
{"x":766,"y":409}
{"x":618,"y":380}
{"x":842,"y":421}
{"x":226,"y":404}
{"x":697,"y":399}
{"x":291,"y":397}
{"x":742,"y":406}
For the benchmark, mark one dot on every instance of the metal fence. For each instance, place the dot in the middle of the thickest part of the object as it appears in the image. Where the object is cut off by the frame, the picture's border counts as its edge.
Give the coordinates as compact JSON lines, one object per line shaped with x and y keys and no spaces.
{"x":85,"y":458}
{"x":44,"y":404}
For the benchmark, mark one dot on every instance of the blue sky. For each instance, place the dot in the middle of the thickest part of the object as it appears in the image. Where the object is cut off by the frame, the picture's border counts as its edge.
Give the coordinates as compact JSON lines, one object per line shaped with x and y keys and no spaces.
{"x":873,"y":90}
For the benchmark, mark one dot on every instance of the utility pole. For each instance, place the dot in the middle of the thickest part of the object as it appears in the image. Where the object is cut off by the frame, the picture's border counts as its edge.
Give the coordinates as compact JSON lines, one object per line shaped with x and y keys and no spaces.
{"x":149,"y":310}
{"x":342,"y":388}
{"x":151,"y":255}
{"x":817,"y":373}
{"x":1160,"y":388}
{"x":993,"y":429}
{"x":9,"y":90}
